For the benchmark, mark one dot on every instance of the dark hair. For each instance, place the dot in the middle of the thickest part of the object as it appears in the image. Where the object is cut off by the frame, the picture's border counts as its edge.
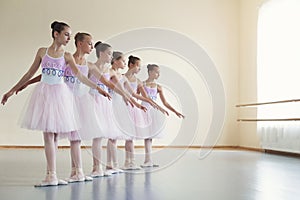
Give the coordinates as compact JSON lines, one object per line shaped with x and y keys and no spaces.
{"x":132,"y":59}
{"x":79,"y":37}
{"x":101,"y":47}
{"x":116,"y":56}
{"x":58,"y":27}
{"x":150,"y":67}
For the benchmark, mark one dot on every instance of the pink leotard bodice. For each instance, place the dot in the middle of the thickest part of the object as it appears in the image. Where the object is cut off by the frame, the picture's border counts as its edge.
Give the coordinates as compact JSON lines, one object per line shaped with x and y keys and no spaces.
{"x":53,"y":69}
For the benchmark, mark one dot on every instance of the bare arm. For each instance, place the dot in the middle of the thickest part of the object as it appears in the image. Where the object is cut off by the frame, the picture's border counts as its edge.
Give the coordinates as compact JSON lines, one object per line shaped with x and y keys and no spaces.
{"x":164,"y":101}
{"x":140,"y":97}
{"x":70,"y":60}
{"x":142,"y":91}
{"x":27,"y":76}
{"x":118,"y":87}
{"x":127,"y":96}
{"x":31,"y":81}
{"x":93,"y":70}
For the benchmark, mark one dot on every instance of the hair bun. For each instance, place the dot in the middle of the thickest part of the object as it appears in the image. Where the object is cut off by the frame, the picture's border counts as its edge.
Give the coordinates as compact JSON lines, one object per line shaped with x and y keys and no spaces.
{"x":97,"y":43}
{"x":53,"y":24}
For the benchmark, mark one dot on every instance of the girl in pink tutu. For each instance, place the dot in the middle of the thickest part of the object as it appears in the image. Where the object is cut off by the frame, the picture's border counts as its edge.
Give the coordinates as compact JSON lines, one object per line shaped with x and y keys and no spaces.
{"x":103,"y":108}
{"x":89,"y":119}
{"x":156,"y":127}
{"x":121,"y":114}
{"x":50,"y":108}
{"x":137,"y":116}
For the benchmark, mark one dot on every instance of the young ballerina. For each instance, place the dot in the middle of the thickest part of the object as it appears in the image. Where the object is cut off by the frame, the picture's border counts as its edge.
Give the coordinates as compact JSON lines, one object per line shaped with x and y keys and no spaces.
{"x":121,"y":113}
{"x":136,"y":114}
{"x":84,"y":103}
{"x":103,"y":107}
{"x":153,"y":89}
{"x":90,"y":122}
{"x":50,"y":108}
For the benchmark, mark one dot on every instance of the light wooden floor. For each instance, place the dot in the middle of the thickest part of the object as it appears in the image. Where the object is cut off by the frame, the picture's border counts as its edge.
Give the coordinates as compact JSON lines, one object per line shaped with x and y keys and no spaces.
{"x":223,"y":174}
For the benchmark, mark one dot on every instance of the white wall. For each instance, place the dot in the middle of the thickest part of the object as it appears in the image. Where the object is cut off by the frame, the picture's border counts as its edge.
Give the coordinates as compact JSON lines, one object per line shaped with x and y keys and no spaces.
{"x":213,"y":24}
{"x":247,"y":71}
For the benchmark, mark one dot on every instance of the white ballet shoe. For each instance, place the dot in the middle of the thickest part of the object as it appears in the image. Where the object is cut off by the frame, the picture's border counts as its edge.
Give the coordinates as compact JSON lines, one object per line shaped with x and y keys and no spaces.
{"x":98,"y":172}
{"x":47,"y":183}
{"x":88,"y":178}
{"x":51,"y":180}
{"x":131,"y":166}
{"x":149,"y":164}
{"x":62,"y":182}
{"x":77,"y":175}
{"x":107,"y":173}
{"x":115,"y":170}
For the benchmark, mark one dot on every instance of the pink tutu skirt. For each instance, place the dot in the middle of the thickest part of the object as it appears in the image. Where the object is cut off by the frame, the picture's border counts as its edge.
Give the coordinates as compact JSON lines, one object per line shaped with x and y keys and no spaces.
{"x":122,"y":118}
{"x":140,"y":121}
{"x":88,"y":117}
{"x":103,"y":108}
{"x":152,"y":123}
{"x":51,"y":109}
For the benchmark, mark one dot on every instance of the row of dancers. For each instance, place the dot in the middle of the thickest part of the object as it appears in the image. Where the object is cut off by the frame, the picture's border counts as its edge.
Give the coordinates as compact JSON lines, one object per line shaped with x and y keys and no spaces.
{"x":80,"y":100}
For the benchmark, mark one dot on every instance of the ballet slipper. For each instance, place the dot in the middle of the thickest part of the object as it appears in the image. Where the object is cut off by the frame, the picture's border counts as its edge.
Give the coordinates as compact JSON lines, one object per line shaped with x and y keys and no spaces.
{"x":131,"y":166}
{"x":149,"y":164}
{"x":77,"y":177}
{"x":51,"y":180}
{"x":62,"y":182}
{"x":88,"y":178}
{"x":115,"y":170}
{"x":47,"y":183}
{"x":98,"y":172}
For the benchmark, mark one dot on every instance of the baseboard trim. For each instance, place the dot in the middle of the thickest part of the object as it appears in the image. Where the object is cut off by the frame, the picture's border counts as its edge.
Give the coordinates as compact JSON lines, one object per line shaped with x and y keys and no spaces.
{"x":137,"y":146}
{"x":283,"y":153}
{"x":220,"y":147}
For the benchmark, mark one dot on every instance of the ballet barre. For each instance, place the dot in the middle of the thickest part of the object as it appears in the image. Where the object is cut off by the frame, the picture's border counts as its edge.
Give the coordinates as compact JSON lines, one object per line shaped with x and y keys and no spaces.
{"x":268,"y":120}
{"x":265,"y":103}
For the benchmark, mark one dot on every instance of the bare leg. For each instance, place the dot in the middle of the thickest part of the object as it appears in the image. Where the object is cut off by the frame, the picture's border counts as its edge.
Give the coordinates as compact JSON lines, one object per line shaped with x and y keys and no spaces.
{"x":111,"y":154}
{"x":128,"y":152}
{"x":77,"y":172}
{"x":148,"y":150}
{"x":76,"y":154}
{"x":96,"y":150}
{"x":112,"y":160}
{"x":129,"y":156}
{"x":50,"y":144}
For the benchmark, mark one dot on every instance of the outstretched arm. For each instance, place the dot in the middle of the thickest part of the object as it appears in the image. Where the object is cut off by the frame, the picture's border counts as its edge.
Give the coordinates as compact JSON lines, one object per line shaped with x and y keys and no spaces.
{"x":27,"y":76}
{"x":70,"y":60}
{"x":31,"y":81}
{"x":142,"y":91}
{"x":164,"y":101}
{"x":96,"y":72}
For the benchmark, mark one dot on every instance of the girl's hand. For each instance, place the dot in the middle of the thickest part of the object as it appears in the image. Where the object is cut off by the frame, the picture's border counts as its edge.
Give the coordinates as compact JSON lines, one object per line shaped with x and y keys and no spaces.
{"x":180,"y":115}
{"x":142,"y":107}
{"x":138,"y":105}
{"x":104,"y":93}
{"x":128,"y":101}
{"x":21,"y":88}
{"x":153,"y":104}
{"x":6,"y":96}
{"x":163,"y":111}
